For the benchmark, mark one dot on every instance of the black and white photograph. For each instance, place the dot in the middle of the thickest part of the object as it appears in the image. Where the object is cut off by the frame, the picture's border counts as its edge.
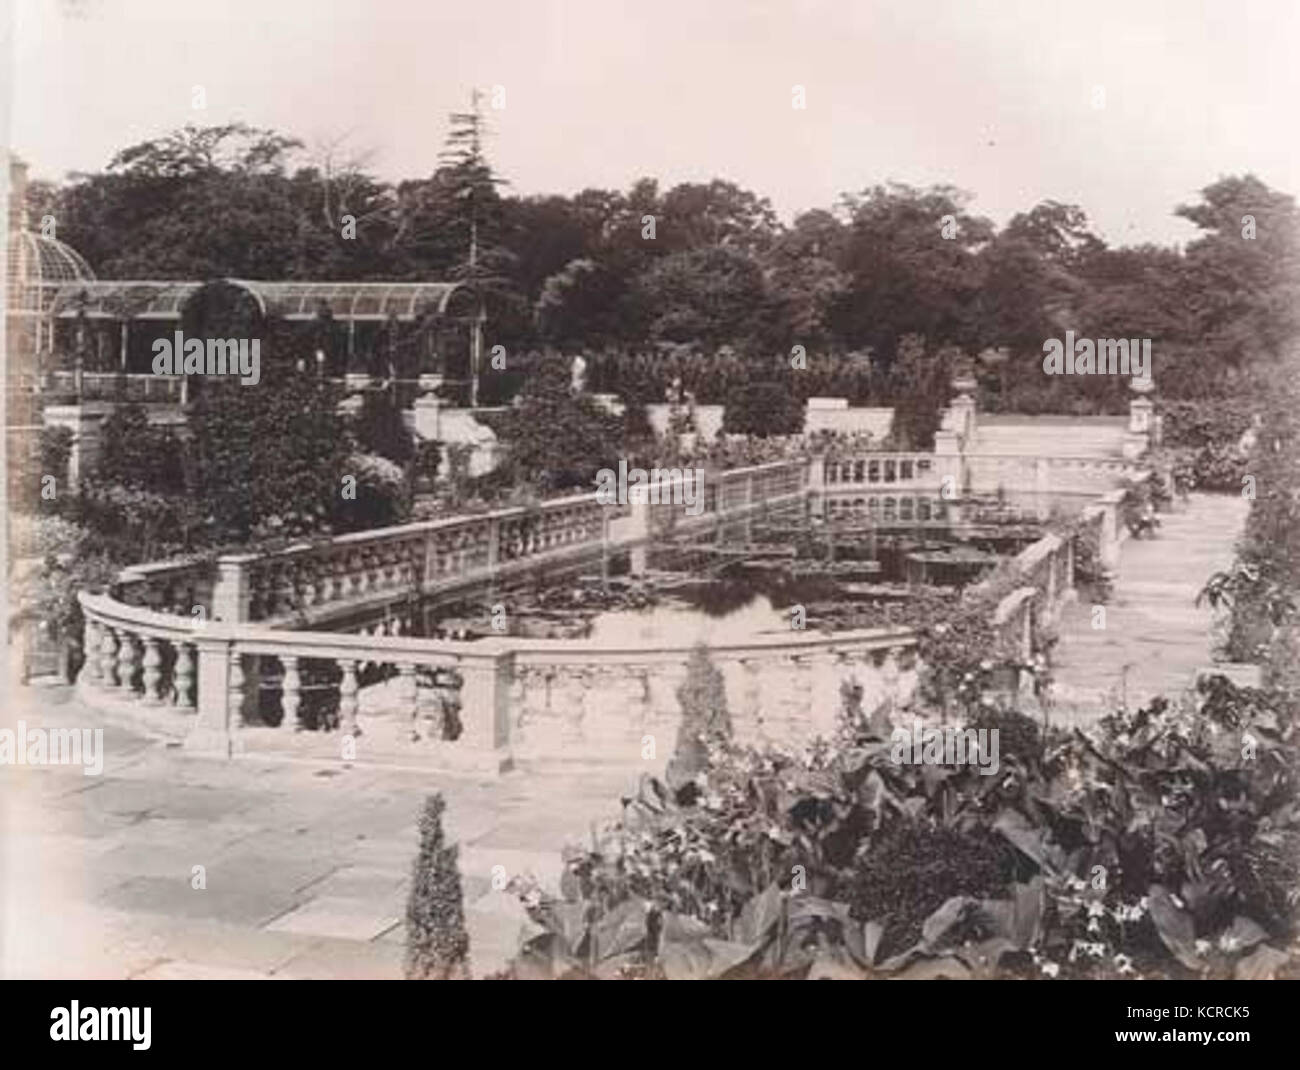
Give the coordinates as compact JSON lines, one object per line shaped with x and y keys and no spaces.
{"x":571,"y":489}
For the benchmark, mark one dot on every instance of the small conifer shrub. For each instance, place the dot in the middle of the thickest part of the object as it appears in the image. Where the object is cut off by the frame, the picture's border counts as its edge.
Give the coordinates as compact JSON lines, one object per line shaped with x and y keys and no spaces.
{"x":703,"y":700}
{"x":437,"y":944}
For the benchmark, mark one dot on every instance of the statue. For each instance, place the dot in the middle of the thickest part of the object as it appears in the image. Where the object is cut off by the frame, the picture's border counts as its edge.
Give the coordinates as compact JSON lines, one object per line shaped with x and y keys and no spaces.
{"x":578,"y":373}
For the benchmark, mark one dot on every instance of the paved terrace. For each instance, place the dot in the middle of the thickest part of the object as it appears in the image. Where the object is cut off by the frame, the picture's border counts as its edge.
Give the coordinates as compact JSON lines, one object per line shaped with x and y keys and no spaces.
{"x":1156,"y":637}
{"x":307,"y":863}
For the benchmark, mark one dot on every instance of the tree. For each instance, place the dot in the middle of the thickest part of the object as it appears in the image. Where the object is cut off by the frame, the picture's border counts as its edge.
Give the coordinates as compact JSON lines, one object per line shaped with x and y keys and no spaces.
{"x":149,"y":215}
{"x":555,"y":440}
{"x":269,"y":460}
{"x":437,"y":943}
{"x":805,"y":281}
{"x":1244,"y":292}
{"x":905,"y":276}
{"x":708,"y":296}
{"x":579,"y":305}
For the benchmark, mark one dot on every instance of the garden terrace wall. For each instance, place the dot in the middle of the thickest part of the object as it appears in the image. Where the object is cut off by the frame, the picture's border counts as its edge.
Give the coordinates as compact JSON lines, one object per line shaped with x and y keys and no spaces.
{"x":534,"y":698}
{"x":200,"y":677}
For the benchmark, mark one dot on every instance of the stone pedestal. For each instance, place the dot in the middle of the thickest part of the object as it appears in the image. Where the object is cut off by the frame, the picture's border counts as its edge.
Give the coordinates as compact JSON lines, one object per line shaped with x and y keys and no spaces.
{"x":427,"y":411}
{"x":85,"y":421}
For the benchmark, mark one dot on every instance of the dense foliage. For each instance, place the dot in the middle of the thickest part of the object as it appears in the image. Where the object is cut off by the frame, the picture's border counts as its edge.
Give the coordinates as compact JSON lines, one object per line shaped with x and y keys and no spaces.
{"x":1161,"y":842}
{"x":719,"y":274}
{"x":1260,"y":588}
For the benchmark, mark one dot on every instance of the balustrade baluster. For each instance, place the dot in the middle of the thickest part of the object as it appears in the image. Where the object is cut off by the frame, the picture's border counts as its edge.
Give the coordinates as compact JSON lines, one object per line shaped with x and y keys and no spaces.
{"x":290,"y":693}
{"x":184,"y":674}
{"x":348,"y":698}
{"x":409,"y":695}
{"x":152,"y":675}
{"x":235,"y":685}
{"x":126,"y":663}
{"x":94,"y":635}
{"x":108,"y":658}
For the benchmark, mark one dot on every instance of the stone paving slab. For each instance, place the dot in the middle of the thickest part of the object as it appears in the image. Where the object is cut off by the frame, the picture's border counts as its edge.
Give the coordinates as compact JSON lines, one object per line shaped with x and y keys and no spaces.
{"x":1156,"y":637}
{"x":307,"y":863}
{"x":345,"y":918}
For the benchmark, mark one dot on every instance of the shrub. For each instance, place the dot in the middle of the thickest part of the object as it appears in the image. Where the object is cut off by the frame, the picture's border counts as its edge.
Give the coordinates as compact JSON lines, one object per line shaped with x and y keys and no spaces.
{"x":382,"y":494}
{"x":379,"y":429}
{"x":437,"y":944}
{"x":1150,"y":842}
{"x":31,"y":458}
{"x":763,"y":409}
{"x":703,"y":700}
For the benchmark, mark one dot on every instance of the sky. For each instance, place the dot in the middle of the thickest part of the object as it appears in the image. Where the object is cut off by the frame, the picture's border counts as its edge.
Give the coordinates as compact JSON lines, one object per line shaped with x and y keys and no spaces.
{"x":1124,"y":107}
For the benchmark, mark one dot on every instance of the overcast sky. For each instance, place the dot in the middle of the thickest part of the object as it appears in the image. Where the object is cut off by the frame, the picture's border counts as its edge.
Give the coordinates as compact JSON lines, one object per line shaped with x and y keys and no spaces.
{"x":994,"y":96}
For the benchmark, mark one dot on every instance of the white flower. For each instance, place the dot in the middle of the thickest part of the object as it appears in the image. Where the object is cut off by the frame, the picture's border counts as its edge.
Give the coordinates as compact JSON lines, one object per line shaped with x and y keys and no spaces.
{"x":1228,"y":943}
{"x":1202,"y":947}
{"x":1050,"y":968}
{"x":1096,"y":908}
{"x":986,"y":665}
{"x":1124,"y":964}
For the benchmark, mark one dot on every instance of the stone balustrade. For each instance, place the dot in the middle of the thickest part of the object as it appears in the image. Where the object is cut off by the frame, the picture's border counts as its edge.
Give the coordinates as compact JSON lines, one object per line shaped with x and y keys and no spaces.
{"x":892,"y":510}
{"x":880,"y":470}
{"x":208,"y":674}
{"x":1062,"y":475}
{"x":534,"y":697}
{"x":309,"y":583}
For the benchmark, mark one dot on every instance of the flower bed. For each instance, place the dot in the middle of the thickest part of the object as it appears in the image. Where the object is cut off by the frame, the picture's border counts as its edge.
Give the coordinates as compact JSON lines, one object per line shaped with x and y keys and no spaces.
{"x":1162,"y":843}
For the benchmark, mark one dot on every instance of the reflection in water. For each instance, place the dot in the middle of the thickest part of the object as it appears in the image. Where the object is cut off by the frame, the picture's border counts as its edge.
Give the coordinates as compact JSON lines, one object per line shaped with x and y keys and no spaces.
{"x":744,"y":604}
{"x":675,"y":622}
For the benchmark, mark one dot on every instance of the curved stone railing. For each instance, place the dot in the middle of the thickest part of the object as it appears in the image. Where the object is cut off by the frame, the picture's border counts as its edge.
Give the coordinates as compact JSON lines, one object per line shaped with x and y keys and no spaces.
{"x":225,"y":677}
{"x":510,"y":695}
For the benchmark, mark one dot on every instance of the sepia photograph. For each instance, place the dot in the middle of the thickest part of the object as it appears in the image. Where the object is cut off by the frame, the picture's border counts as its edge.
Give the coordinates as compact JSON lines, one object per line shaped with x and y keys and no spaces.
{"x":566,"y":489}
